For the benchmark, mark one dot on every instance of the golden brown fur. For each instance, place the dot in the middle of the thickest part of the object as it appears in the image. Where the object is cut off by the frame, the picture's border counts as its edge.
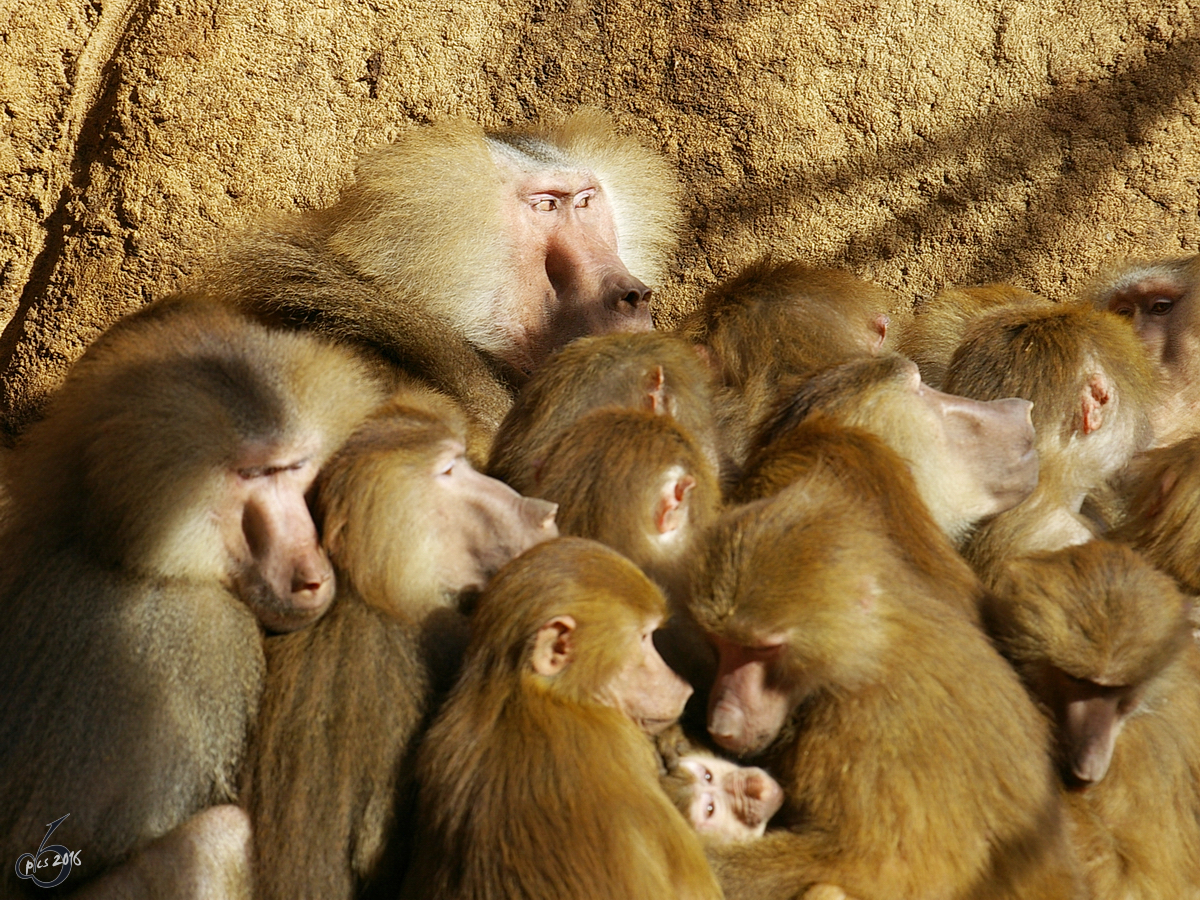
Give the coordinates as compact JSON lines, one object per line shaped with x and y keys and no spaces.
{"x":1103,"y":616}
{"x":369,"y":497}
{"x":418,"y":260}
{"x":965,"y":473}
{"x":527,"y":786}
{"x":656,"y":371}
{"x":775,"y":321}
{"x":1090,"y":383}
{"x":133,"y":670}
{"x":870,"y":470}
{"x":637,"y":482}
{"x":329,"y":776}
{"x":913,"y":762}
{"x":931,"y":334}
{"x":1162,"y":517}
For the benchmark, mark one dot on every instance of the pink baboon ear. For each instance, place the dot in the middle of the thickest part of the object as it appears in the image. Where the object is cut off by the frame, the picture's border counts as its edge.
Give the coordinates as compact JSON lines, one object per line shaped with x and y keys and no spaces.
{"x":554,"y":645}
{"x":880,"y":324}
{"x":656,"y":391}
{"x":671,"y":509}
{"x":1096,"y":395}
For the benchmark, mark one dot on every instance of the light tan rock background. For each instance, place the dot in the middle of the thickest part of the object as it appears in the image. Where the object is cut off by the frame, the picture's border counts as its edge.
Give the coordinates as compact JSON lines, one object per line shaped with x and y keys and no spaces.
{"x":917,"y":142}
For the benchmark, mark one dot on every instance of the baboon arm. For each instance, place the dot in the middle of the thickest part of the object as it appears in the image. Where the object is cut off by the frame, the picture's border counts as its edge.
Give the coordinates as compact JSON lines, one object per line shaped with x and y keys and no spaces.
{"x":779,"y":865}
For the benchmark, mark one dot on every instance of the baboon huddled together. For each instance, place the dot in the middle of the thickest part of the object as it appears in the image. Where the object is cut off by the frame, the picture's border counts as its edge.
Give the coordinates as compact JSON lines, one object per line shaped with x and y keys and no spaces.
{"x":402,"y":557}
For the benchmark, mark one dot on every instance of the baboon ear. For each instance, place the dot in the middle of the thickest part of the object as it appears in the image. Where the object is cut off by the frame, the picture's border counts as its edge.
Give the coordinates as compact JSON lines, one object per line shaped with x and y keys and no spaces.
{"x":1096,"y":397}
{"x":671,"y":508}
{"x":656,"y":392}
{"x":553,"y":647}
{"x":880,"y":325}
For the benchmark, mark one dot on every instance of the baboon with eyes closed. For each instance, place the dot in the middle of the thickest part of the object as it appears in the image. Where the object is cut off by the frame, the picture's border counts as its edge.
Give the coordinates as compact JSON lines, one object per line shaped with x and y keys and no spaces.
{"x":153,"y":520}
{"x":1103,"y":642}
{"x":465,"y":257}
{"x":912,"y":761}
{"x":411,"y":528}
{"x":1090,"y":383}
{"x":656,"y":372}
{"x":537,"y":778}
{"x":971,"y":460}
{"x":1159,"y":298}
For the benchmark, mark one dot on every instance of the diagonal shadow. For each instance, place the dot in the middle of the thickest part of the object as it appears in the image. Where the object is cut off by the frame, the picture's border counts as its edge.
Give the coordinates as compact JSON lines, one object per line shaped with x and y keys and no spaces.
{"x":1087,"y":128}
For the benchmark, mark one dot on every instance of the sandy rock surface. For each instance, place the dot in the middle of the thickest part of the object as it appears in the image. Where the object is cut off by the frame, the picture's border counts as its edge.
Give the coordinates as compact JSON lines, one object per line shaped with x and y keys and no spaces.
{"x":916,"y":142}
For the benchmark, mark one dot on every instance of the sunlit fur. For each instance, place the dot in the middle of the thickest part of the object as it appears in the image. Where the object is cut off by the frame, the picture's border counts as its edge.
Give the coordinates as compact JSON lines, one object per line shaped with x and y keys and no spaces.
{"x":865,"y":464}
{"x":132,"y":671}
{"x":136,"y":447}
{"x":415,"y":261}
{"x":332,"y":804}
{"x":874,"y":394}
{"x":1101,"y":613}
{"x":1049,"y":356}
{"x":608,"y":473}
{"x":931,"y":334}
{"x":1162,"y":518}
{"x":775,"y":321}
{"x":371,"y":497}
{"x":636,"y":371}
{"x":913,"y":763}
{"x":528,"y":786}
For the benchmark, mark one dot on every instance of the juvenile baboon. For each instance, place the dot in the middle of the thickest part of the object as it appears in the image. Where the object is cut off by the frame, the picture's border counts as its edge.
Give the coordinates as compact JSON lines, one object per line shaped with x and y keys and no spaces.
{"x":637,"y":482}
{"x":465,"y":257}
{"x":932,"y":333}
{"x":154,"y":519}
{"x":775,"y":323}
{"x":1159,"y":298}
{"x":656,"y":372}
{"x":536,"y":779}
{"x":410,"y":527}
{"x":971,"y":460}
{"x":1090,"y":382}
{"x":1103,"y":642}
{"x":912,"y":761}
{"x":1162,"y":515}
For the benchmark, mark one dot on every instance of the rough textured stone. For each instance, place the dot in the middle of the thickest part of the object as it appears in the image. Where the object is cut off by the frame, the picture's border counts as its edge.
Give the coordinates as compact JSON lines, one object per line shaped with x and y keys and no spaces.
{"x":918,"y":142}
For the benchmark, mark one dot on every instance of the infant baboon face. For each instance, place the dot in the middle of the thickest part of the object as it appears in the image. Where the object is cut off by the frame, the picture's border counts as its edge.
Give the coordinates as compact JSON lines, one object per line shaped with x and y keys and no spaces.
{"x":731,"y":802}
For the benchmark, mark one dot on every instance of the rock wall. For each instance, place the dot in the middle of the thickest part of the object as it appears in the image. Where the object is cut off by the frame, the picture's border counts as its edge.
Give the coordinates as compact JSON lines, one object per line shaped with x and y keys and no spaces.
{"x":917,"y":142}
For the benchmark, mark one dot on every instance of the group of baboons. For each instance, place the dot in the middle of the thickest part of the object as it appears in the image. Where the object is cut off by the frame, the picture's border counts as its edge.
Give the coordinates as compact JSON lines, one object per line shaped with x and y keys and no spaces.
{"x":791,"y":601}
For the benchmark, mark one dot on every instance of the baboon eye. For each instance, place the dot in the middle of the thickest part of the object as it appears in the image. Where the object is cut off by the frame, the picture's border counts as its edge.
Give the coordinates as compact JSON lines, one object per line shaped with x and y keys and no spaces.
{"x":1124,"y":311}
{"x":1161,"y":306}
{"x":582,"y":202}
{"x":707,"y":775}
{"x":709,"y":810}
{"x":547,"y":204}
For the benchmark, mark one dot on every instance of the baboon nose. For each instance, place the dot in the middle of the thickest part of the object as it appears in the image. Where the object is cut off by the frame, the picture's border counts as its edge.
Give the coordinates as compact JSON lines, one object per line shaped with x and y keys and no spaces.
{"x":629,"y":297}
{"x":311,"y":579}
{"x":755,"y":786}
